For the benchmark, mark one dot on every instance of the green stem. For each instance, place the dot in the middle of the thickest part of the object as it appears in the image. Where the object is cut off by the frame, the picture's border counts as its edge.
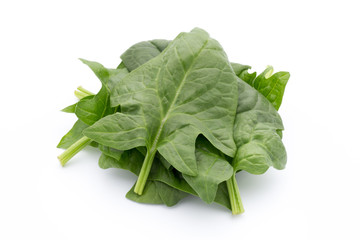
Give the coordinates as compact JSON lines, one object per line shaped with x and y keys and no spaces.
{"x":80,"y":95}
{"x":234,"y":195}
{"x":73,"y":150}
{"x":81,"y":89}
{"x":144,"y":172}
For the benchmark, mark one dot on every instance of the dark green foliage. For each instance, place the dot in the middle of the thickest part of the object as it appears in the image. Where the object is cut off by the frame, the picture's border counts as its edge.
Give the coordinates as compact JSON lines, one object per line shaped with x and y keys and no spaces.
{"x":183,"y":119}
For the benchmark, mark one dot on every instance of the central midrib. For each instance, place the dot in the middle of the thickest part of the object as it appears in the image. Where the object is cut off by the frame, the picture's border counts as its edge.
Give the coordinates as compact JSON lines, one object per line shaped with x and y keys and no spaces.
{"x":154,"y":145}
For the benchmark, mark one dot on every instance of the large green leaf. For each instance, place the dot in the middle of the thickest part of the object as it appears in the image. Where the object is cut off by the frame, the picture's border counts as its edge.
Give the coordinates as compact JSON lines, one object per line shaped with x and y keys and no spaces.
{"x":257,"y":122}
{"x":166,"y":103}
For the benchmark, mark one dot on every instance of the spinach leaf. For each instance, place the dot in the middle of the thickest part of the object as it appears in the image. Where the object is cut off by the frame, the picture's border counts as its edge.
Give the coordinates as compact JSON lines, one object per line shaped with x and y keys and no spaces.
{"x":213,"y":169}
{"x":271,"y":86}
{"x":111,"y":152}
{"x":73,"y":135}
{"x":90,"y":109}
{"x":167,"y":102}
{"x":141,"y":52}
{"x":258,"y":143}
{"x":132,"y":160}
{"x":156,"y":192}
{"x":69,"y":109}
{"x":196,"y":119}
{"x":259,"y":146}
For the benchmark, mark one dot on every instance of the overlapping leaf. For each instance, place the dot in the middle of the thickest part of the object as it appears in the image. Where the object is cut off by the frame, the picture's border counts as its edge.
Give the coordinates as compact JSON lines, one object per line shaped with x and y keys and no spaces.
{"x":166,"y":103}
{"x":180,"y":94}
{"x":272,"y":86}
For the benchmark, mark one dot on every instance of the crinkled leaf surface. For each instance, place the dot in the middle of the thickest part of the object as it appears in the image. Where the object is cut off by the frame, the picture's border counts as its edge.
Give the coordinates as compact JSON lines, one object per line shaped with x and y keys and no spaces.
{"x":257,"y":123}
{"x":167,"y":102}
{"x":212,"y":170}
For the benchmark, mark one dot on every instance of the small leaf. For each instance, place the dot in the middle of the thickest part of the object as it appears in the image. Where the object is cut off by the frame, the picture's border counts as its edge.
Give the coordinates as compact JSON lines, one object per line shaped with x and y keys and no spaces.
{"x":131,"y":160}
{"x":69,"y":109}
{"x":90,"y":110}
{"x":157,"y":193}
{"x":271,"y":86}
{"x":73,"y":135}
{"x":212,"y":170}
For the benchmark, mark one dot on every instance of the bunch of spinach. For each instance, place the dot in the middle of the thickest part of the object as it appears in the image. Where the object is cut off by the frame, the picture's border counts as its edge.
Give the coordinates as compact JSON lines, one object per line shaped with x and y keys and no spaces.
{"x":182,"y":118}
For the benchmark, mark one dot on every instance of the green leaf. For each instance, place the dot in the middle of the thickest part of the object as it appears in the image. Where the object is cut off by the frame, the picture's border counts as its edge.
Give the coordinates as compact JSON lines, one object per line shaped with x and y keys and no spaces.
{"x":73,"y":135}
{"x":222,"y":196}
{"x":90,"y":110}
{"x":256,"y":128}
{"x":69,"y":109}
{"x":166,"y":103}
{"x":169,"y":176}
{"x":160,"y":44}
{"x":111,"y":152}
{"x":165,"y":163}
{"x":213,"y":169}
{"x":121,"y":66}
{"x":239,"y":69}
{"x":131,"y":160}
{"x":157,"y":193}
{"x":150,"y":194}
{"x":141,"y":52}
{"x":271,"y":86}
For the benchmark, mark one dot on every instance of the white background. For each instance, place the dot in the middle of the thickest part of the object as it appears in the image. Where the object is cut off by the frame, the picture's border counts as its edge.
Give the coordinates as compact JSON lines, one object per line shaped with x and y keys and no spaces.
{"x":315,"y":197}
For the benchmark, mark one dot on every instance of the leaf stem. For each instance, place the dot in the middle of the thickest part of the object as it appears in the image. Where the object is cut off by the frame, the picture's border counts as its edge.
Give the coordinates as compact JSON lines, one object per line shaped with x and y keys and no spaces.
{"x":234,"y":195}
{"x":81,"y":92}
{"x":73,"y":150}
{"x":81,"y":89}
{"x":144,"y":172}
{"x":80,"y":95}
